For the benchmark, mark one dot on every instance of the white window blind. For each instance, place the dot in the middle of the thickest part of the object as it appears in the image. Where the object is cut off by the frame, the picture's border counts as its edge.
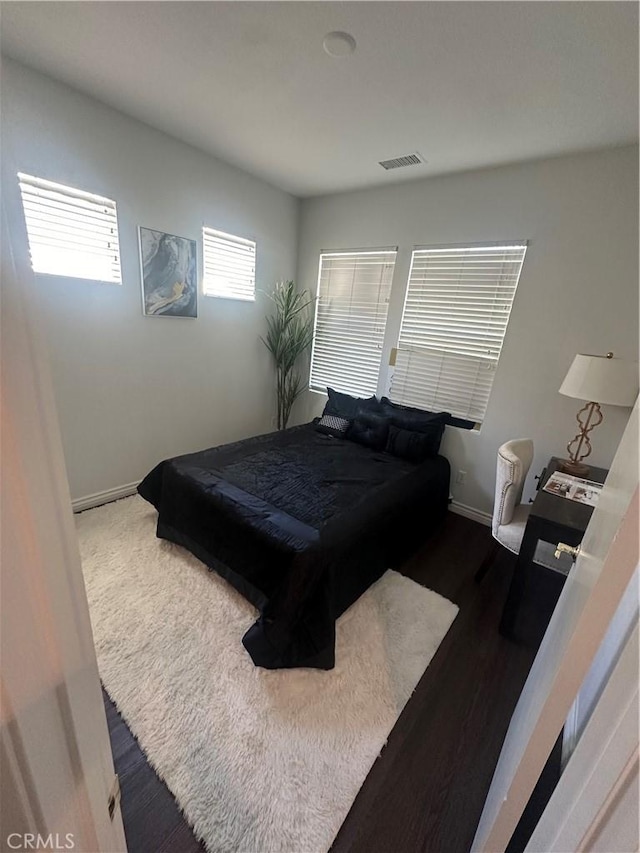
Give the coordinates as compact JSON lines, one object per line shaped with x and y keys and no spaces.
{"x":454,"y":322}
{"x":229,"y":265}
{"x":351,"y":315}
{"x":71,"y":233}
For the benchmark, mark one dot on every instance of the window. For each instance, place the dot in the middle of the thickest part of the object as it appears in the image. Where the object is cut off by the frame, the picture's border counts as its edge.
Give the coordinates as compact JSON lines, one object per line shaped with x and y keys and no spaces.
{"x":71,"y":233}
{"x":455,"y":318}
{"x":229,"y":265}
{"x":351,"y":315}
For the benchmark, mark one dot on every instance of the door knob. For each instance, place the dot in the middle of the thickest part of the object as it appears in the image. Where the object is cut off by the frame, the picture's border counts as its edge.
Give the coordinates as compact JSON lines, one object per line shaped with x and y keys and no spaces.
{"x":567,"y":549}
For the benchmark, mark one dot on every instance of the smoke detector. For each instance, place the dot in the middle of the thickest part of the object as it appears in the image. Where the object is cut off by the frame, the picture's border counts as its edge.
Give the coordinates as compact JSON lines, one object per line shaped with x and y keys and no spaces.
{"x":338,"y":43}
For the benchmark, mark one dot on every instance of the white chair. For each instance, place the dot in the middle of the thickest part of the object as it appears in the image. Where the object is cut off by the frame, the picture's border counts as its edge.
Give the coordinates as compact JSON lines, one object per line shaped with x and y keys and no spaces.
{"x":509,"y":515}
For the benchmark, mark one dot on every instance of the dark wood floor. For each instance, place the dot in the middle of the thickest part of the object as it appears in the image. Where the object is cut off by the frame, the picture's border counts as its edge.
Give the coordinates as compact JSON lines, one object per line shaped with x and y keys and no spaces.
{"x":425,"y":792}
{"x":152,"y":821}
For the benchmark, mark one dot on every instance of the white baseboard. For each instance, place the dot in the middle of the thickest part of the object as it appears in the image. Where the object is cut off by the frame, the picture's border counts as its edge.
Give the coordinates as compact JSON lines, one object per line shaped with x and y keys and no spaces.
{"x":471,"y":512}
{"x":89,"y":501}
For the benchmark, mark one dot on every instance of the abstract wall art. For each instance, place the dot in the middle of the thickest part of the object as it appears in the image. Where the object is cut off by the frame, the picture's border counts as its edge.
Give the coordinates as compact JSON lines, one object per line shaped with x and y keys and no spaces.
{"x":169,"y":274}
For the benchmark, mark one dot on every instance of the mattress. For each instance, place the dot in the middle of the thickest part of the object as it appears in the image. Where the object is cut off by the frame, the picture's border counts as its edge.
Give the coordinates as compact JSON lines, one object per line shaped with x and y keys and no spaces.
{"x":300,"y":523}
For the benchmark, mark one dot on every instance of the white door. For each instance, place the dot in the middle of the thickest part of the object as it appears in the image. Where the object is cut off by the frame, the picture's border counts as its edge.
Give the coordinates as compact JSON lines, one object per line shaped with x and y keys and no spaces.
{"x":595,"y":585}
{"x":57,"y":768}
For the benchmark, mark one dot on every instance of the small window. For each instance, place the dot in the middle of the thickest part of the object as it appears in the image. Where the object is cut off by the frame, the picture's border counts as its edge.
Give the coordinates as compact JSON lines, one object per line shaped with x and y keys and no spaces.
{"x":229,"y":265}
{"x":71,"y":233}
{"x":351,"y":317}
{"x":455,"y":318}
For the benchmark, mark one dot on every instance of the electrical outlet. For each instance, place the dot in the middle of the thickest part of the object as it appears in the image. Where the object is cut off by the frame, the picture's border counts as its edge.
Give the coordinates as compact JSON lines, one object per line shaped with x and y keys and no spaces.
{"x":461,"y":477}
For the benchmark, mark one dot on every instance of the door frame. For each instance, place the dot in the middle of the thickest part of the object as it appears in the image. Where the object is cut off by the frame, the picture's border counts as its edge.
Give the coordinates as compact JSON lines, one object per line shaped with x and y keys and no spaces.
{"x":595,"y":804}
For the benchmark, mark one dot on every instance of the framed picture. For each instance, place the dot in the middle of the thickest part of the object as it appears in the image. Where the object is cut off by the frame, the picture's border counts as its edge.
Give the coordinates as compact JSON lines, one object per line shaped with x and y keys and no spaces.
{"x":169,"y":274}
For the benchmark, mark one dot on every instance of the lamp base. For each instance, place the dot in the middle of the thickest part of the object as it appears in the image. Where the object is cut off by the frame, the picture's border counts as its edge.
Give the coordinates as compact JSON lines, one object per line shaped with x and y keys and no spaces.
{"x":588,"y":417}
{"x":578,"y":469}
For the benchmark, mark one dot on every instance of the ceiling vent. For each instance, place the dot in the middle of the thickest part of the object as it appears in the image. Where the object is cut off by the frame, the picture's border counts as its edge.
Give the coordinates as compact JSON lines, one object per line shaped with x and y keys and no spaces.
{"x":400,"y":162}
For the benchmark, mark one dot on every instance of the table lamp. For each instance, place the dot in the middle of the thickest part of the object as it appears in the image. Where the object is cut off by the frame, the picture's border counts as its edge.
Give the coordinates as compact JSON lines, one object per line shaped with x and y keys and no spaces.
{"x":598,"y":379}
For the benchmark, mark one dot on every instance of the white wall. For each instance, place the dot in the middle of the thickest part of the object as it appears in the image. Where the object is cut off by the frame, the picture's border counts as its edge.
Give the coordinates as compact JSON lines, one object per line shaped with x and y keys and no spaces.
{"x":578,"y":290}
{"x":132,"y":390}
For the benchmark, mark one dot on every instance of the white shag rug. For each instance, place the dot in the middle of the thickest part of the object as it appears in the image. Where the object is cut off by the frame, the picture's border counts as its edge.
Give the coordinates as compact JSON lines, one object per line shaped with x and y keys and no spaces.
{"x":259,"y":761}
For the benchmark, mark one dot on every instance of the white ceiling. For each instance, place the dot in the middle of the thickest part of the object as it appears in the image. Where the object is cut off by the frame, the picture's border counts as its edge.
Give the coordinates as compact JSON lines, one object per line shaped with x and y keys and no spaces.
{"x":467,"y":84}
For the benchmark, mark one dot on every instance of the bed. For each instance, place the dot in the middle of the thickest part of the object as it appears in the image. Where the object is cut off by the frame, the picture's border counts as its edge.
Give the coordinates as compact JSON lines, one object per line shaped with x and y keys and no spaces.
{"x":301,"y":523}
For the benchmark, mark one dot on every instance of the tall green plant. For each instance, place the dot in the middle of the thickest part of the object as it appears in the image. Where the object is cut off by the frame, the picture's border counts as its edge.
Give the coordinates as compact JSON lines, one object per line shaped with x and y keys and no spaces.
{"x":289,"y":336}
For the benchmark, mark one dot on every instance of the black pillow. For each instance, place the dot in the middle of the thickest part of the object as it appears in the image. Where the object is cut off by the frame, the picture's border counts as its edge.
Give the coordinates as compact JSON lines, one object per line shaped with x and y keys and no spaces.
{"x":370,"y":429}
{"x":415,"y":446}
{"x":408,"y":418}
{"x":333,"y":425}
{"x":346,"y":406}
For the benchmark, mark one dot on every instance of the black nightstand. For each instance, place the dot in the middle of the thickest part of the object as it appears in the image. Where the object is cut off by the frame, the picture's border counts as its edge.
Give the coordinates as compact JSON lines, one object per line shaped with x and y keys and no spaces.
{"x":553,"y":519}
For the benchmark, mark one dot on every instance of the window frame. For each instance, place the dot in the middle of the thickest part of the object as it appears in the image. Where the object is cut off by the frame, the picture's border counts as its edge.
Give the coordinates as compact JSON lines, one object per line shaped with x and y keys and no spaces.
{"x":363,"y":252}
{"x":458,"y":419}
{"x":105,"y":228}
{"x":208,"y":230}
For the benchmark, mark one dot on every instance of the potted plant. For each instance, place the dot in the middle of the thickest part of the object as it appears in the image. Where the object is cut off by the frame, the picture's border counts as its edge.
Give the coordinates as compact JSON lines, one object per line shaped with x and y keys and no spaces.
{"x":289,"y":336}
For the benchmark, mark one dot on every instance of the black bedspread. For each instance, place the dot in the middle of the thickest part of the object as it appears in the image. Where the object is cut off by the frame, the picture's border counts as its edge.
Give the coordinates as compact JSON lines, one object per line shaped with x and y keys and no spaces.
{"x":301,"y":524}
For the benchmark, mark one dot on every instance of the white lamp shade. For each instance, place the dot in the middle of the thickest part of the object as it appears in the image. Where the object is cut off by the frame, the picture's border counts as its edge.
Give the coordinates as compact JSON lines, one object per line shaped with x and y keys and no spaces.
{"x":598,"y":379}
